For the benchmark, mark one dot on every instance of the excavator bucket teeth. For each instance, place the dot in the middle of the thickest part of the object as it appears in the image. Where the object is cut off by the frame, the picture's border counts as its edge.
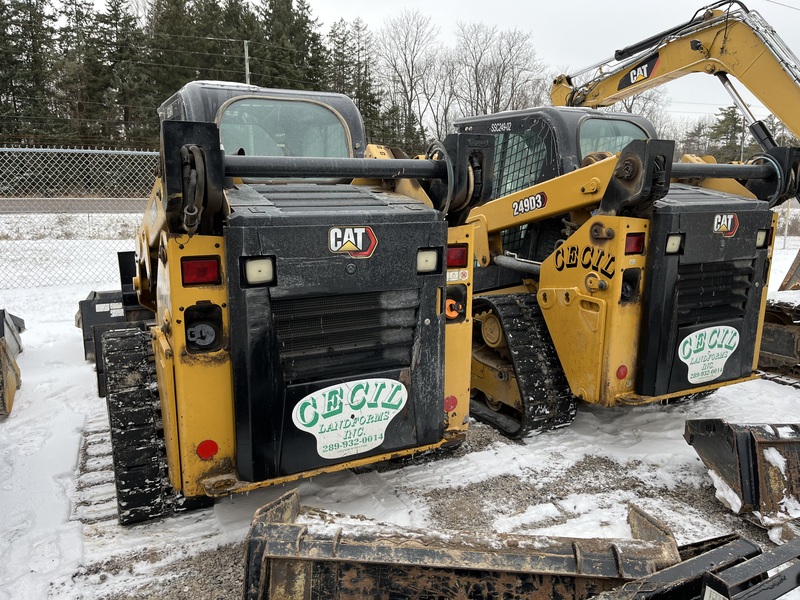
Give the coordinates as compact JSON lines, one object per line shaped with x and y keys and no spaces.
{"x":308,"y":554}
{"x":10,"y":347}
{"x":755,"y":467}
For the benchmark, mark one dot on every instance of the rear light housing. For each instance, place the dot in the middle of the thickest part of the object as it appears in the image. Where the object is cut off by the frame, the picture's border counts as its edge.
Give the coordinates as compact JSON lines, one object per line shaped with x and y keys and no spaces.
{"x":259,"y":270}
{"x":428,"y":260}
{"x":457,"y":257}
{"x":634,"y":243}
{"x":674,"y":243}
{"x":201,"y":271}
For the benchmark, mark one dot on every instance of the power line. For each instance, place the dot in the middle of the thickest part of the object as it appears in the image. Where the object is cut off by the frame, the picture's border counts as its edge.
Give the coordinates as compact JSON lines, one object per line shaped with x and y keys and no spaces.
{"x":783,"y":5}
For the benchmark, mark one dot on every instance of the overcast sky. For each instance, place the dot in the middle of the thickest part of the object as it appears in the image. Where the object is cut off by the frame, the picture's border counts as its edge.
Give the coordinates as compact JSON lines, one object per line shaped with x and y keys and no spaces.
{"x":573,"y":34}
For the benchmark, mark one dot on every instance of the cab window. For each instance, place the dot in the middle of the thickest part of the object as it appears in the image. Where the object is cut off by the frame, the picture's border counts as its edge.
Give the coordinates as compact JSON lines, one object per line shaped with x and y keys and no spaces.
{"x":524,"y":159}
{"x":268,"y":127}
{"x":607,"y":135}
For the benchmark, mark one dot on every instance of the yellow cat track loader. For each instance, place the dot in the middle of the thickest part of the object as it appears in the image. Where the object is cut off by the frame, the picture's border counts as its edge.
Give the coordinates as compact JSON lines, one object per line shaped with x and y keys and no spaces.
{"x":754,"y":466}
{"x":725,"y":40}
{"x":600,"y":280}
{"x":286,"y":308}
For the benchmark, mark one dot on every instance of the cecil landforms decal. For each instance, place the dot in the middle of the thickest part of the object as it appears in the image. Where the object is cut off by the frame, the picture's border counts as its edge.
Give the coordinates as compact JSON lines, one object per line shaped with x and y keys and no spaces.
{"x":706,"y":351}
{"x":352,"y":417}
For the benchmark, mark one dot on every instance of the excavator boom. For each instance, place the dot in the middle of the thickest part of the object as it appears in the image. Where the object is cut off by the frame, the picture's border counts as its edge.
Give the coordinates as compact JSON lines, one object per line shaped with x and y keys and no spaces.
{"x":734,"y":41}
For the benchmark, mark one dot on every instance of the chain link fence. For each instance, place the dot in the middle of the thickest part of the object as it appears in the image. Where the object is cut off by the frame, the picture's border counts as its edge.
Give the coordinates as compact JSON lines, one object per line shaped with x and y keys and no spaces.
{"x":65,"y":213}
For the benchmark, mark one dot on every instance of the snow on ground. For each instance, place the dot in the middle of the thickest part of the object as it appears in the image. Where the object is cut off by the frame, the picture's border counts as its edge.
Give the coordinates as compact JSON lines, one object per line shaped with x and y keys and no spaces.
{"x":56,"y":541}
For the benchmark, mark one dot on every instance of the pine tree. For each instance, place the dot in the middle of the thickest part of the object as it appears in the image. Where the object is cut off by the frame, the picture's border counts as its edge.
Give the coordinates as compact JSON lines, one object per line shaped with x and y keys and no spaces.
{"x":365,"y":92}
{"x":315,"y":56}
{"x":696,"y":140}
{"x":214,"y":55}
{"x":79,"y":76}
{"x":340,"y":59}
{"x":727,"y":135}
{"x":293,"y":56}
{"x":9,"y":61}
{"x":29,"y":89}
{"x":240,"y":22}
{"x":130,"y":106}
{"x":170,"y":60}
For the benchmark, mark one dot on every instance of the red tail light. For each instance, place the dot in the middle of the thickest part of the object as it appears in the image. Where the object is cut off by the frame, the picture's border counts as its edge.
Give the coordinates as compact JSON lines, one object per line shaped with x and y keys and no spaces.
{"x":457,"y":257}
{"x":200,"y":271}
{"x":634,"y":243}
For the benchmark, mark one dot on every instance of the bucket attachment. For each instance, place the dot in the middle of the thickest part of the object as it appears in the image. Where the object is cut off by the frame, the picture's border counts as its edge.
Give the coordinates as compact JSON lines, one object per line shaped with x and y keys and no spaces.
{"x":309,"y":554}
{"x":732,"y":568}
{"x":755,"y":467}
{"x":108,"y":310}
{"x":10,"y":347}
{"x":295,"y":552}
{"x":791,"y":280}
{"x":780,"y":338}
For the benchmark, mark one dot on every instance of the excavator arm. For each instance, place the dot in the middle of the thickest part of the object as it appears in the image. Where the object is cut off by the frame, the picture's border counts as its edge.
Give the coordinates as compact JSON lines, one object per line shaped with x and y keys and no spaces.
{"x":734,"y":41}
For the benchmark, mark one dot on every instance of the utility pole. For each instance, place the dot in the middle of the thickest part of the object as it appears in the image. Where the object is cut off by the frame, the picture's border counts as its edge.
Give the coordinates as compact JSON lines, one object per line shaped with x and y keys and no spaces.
{"x":246,"y":64}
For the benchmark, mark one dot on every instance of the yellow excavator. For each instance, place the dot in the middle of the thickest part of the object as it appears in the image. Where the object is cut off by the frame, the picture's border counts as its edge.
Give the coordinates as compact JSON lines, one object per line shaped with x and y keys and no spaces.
{"x":725,"y":39}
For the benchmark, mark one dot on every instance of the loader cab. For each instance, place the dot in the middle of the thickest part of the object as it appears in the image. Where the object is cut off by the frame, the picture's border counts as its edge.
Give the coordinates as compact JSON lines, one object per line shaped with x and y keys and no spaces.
{"x":539,"y":144}
{"x":252,"y":121}
{"x":257,"y":121}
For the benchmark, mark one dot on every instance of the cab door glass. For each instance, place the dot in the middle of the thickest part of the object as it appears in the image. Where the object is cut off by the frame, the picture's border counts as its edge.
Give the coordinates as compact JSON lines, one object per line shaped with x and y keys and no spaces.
{"x":607,"y":135}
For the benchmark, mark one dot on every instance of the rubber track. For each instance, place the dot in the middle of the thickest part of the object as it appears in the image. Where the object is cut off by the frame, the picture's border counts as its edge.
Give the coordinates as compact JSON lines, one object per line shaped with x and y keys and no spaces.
{"x":137,"y":441}
{"x":134,"y":416}
{"x":547,"y":400}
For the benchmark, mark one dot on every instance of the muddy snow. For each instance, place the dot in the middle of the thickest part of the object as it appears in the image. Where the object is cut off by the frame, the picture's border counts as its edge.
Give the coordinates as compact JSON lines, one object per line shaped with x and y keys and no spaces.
{"x":59,"y":536}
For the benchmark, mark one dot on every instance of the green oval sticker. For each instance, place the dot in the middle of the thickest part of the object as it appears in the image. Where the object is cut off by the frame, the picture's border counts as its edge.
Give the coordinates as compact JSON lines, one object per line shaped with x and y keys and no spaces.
{"x":350,"y":418}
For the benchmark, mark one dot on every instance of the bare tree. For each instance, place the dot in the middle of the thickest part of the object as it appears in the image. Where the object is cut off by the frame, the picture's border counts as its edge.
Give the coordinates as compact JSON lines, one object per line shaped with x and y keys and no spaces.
{"x":140,"y":10}
{"x":439,"y":89}
{"x":408,"y":44}
{"x":651,"y":104}
{"x":497,"y":70}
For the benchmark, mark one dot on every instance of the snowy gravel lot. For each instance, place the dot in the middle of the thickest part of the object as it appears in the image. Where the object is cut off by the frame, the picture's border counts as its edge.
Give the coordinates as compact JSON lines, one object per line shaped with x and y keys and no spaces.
{"x":59,"y":537}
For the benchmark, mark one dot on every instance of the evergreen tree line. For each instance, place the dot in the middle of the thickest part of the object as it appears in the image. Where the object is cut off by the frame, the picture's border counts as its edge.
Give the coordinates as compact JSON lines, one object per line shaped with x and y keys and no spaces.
{"x":74,"y":75}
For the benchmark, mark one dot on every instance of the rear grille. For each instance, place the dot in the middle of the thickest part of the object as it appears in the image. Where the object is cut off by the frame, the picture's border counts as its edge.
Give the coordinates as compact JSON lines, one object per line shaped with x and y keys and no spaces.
{"x":713,"y":291}
{"x":330,"y":336}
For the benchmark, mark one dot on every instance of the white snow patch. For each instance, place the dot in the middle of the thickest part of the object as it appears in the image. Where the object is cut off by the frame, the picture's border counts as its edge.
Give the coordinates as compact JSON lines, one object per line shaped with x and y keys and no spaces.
{"x":776,"y":459}
{"x":725,"y":493}
{"x":530,"y":516}
{"x":785,"y":432}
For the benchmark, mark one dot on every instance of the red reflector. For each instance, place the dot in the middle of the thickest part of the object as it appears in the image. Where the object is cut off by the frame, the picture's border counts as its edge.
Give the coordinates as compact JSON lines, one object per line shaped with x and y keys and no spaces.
{"x":634,"y":243}
{"x":622,"y":372}
{"x":207,"y":449}
{"x":450,"y":403}
{"x":197,"y":271}
{"x":457,"y":257}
